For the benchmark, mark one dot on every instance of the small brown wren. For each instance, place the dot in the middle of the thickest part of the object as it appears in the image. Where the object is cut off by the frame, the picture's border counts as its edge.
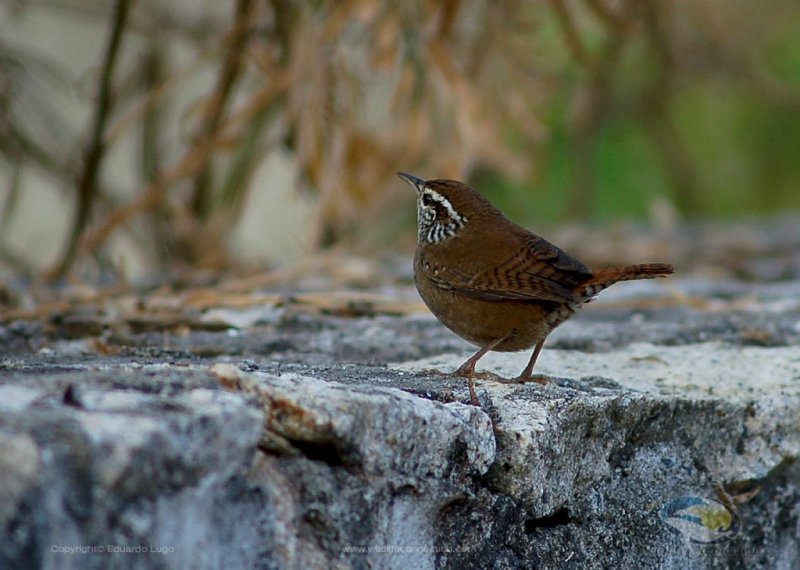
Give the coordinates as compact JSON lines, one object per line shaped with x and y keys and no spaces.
{"x":494,"y":283}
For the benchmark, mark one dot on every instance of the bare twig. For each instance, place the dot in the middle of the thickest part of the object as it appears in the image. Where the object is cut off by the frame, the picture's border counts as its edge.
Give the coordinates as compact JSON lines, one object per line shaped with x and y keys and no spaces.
{"x":571,"y":36}
{"x":215,"y":112}
{"x":188,"y":165}
{"x":603,"y":13}
{"x":96,"y":149}
{"x":153,"y":74}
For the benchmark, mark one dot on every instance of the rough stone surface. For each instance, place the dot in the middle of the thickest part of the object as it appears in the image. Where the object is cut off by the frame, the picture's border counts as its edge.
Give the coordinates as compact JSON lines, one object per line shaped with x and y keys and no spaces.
{"x":281,"y":439}
{"x":93,"y":461}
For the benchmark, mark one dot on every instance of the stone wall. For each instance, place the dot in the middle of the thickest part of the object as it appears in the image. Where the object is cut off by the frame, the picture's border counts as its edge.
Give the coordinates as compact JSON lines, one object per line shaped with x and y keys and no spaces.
{"x":669,"y":437}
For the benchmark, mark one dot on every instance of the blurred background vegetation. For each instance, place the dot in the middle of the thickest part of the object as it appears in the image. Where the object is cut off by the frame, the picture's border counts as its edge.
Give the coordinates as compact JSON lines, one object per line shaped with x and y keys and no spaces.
{"x":142,"y":138}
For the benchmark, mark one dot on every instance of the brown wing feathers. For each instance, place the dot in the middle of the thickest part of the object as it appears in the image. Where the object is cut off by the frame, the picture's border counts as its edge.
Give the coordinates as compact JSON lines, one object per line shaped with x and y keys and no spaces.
{"x":535,"y":279}
{"x":539,"y":271}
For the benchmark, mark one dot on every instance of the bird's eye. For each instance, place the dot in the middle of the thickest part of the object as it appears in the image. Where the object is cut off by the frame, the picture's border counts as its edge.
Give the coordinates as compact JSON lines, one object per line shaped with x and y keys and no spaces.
{"x":427,"y":200}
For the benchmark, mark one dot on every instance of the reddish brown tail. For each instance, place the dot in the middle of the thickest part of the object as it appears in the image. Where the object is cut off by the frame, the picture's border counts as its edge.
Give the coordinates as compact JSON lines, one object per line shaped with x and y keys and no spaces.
{"x":603,"y":278}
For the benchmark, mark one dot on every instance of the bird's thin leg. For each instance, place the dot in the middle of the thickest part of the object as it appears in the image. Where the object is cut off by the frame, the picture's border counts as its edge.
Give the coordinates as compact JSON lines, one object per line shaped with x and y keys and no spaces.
{"x":469,"y":366}
{"x":532,"y":362}
{"x":473,"y":397}
{"x":468,"y":369}
{"x":526,"y":375}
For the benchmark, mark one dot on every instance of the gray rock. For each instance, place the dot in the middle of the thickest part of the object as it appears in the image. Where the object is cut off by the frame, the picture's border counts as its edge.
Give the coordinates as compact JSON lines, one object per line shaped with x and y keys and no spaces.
{"x":91,"y":471}
{"x":663,"y":429}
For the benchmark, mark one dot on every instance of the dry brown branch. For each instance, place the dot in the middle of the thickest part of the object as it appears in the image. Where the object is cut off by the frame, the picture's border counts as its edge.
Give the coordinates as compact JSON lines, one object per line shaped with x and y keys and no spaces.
{"x":151,"y":196}
{"x":96,"y":149}
{"x":347,"y":92}
{"x":603,"y":13}
{"x":217,"y":103}
{"x":152,"y":97}
{"x":188,"y":165}
{"x":571,"y":36}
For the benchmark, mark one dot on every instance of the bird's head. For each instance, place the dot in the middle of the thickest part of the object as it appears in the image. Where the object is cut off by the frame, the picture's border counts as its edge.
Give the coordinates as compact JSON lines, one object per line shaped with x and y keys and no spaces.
{"x":444,"y":207}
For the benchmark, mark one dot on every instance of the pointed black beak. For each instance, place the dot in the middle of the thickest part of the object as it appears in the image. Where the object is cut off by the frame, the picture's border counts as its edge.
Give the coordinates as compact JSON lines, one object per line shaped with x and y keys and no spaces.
{"x":417,"y":183}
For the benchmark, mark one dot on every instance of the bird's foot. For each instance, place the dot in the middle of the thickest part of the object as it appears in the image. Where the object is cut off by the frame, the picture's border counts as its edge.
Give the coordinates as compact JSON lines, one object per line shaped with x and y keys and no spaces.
{"x":464,"y":371}
{"x":537,"y":378}
{"x":435,"y":371}
{"x":478,"y":375}
{"x":468,"y":372}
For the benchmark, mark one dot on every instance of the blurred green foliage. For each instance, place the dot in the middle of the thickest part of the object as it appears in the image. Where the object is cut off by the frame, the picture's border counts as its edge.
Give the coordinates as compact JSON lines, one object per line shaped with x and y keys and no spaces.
{"x":743,"y":137}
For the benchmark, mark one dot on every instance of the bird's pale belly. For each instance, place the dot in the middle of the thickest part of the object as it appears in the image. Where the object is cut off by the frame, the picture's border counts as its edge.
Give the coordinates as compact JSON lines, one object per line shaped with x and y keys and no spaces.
{"x":521,"y":323}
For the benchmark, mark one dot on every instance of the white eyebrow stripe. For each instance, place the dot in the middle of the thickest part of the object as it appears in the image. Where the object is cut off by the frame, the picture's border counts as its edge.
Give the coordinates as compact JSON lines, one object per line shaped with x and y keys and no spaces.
{"x":444,"y":202}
